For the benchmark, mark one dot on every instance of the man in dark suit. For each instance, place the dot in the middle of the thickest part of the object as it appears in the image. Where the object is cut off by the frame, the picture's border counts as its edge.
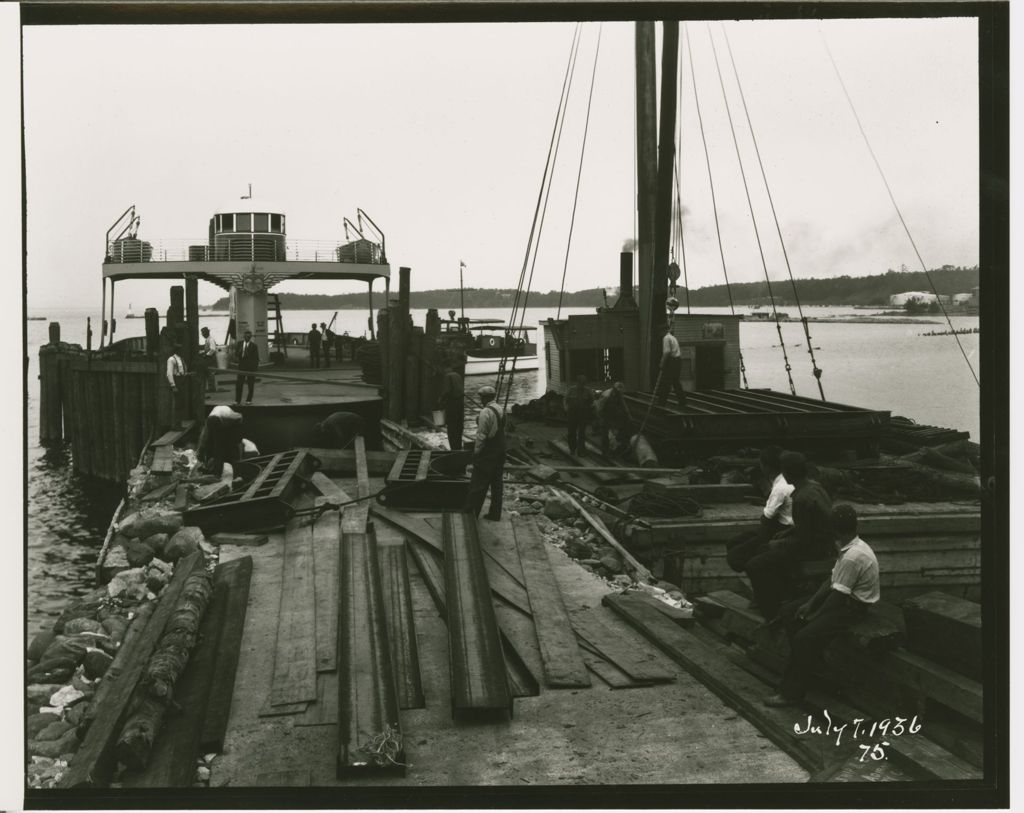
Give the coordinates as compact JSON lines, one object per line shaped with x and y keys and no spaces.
{"x":247,"y":356}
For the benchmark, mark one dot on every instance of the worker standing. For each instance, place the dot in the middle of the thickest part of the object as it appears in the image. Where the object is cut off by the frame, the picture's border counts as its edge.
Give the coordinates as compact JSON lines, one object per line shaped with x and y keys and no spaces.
{"x":453,"y":401}
{"x":176,"y":378}
{"x":488,"y":457}
{"x":208,"y":359}
{"x":579,"y":406}
{"x":613,"y":417}
{"x":247,"y":355}
{"x":313,"y":340}
{"x":671,"y":367}
{"x":326,"y":342}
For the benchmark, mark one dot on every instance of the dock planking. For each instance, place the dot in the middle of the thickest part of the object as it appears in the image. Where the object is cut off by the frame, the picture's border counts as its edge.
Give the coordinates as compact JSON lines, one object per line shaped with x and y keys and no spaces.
{"x":356,"y":516}
{"x":236,"y":575}
{"x":324,"y":711}
{"x":620,"y":647}
{"x":474,"y":646}
{"x":326,"y":539}
{"x":563,"y":665}
{"x":367,"y":691}
{"x":608,"y":671}
{"x":394,"y":571}
{"x":294,"y":677}
{"x":92,"y":764}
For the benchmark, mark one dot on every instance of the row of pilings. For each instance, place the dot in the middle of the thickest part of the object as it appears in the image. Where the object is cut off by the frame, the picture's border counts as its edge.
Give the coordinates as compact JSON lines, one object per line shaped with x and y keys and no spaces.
{"x":108,"y":403}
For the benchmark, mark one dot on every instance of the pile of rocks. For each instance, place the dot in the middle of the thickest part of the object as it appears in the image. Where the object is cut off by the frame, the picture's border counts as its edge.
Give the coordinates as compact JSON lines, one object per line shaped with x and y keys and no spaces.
{"x":67,"y":662}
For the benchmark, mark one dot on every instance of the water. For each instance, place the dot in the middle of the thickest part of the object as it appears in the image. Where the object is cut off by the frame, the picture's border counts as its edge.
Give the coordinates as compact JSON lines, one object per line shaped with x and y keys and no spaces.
{"x":879,"y":366}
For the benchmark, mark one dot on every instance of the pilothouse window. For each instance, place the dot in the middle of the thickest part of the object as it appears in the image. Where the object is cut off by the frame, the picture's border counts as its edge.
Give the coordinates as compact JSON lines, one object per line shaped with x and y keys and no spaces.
{"x":260,"y":223}
{"x":243,"y":222}
{"x":227,"y":222}
{"x":275,"y":223}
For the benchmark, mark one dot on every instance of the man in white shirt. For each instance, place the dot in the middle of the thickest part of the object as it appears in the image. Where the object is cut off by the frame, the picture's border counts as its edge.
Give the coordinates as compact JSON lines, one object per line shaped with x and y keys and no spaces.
{"x":671,"y":367}
{"x":176,"y":378}
{"x":208,"y":359}
{"x":842,"y":600}
{"x":777,"y":514}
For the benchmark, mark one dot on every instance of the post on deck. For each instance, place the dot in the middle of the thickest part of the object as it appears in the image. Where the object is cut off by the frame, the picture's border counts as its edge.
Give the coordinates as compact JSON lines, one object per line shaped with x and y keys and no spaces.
{"x":113,"y":319}
{"x":196,"y":383}
{"x":103,"y":314}
{"x":647,"y":174}
{"x":373,"y":334}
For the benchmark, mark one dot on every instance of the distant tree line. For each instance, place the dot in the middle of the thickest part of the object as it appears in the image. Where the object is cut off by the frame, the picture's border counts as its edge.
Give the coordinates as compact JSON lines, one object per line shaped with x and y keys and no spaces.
{"x":845,"y":290}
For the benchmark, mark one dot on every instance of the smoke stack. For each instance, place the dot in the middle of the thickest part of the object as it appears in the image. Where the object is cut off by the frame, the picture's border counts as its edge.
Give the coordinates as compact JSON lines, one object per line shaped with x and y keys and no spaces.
{"x":626,"y":301}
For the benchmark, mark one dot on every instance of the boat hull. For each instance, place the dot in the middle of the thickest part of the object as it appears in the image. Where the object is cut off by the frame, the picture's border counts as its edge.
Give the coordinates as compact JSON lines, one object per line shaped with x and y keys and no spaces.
{"x":489,"y":366}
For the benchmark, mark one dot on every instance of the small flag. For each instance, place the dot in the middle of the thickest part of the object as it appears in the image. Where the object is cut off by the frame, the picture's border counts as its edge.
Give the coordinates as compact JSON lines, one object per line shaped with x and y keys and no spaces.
{"x":461,"y":264}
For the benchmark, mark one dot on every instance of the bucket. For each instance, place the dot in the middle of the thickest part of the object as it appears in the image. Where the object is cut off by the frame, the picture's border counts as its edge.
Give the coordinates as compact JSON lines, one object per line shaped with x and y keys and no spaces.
{"x":222,"y":357}
{"x":439,"y":419}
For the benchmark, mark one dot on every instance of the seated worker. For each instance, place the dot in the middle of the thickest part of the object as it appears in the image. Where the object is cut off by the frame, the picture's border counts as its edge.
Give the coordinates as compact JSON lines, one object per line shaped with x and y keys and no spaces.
{"x":772,"y":571}
{"x":842,"y":600}
{"x":220,"y":441}
{"x":612,"y":416}
{"x":339,"y":429}
{"x":776,"y":516}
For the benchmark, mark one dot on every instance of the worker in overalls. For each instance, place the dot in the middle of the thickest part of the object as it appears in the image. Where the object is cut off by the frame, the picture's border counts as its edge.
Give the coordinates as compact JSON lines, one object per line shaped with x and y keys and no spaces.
{"x":488,"y":457}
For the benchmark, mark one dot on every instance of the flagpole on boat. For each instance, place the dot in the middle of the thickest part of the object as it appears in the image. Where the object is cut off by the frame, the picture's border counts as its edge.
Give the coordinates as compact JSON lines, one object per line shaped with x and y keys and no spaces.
{"x":462,"y":294}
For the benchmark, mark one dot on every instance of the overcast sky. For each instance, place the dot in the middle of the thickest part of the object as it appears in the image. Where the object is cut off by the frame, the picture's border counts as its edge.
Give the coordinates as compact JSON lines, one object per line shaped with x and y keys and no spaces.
{"x":440,"y":133}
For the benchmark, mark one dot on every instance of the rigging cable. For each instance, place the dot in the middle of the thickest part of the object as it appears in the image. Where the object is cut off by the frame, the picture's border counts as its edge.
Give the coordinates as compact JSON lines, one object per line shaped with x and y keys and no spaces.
{"x":753,"y":220}
{"x":895,"y":205}
{"x":714,"y":203}
{"x":524,"y":292}
{"x":579,"y":174}
{"x":796,"y":297}
{"x":540,"y":193}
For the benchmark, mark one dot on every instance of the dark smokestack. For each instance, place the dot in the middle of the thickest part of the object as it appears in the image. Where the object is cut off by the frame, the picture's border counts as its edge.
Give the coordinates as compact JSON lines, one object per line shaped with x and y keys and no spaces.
{"x":626,"y":301}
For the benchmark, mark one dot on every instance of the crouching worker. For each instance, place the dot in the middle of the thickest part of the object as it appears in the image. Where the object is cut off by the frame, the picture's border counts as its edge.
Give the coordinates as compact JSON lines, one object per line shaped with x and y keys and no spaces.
{"x":488,"y":457}
{"x":776,"y":516}
{"x":339,"y":429}
{"x":220,"y":442}
{"x":841,"y":601}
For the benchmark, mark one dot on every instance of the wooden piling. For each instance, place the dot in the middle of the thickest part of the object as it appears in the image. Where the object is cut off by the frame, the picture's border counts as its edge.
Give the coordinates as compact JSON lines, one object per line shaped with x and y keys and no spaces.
{"x":413,"y":370}
{"x":67,"y":401}
{"x":48,"y":433}
{"x":394,"y":372}
{"x":152,"y":331}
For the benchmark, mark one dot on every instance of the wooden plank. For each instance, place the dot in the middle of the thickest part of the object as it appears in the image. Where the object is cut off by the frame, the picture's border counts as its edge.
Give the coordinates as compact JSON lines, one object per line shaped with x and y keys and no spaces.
{"x":328,"y":488}
{"x":173,"y":759}
{"x":239,"y":540}
{"x":520,"y":679}
{"x":394,"y":574}
{"x":159,"y":492}
{"x":297,"y":778}
{"x":947,"y":630}
{"x":163,"y":460}
{"x":620,"y":646}
{"x":609,"y":672}
{"x":343,"y":461}
{"x":326,"y":539}
{"x":93,"y":763}
{"x":641,"y":572}
{"x":283,"y":709}
{"x":237,"y":575}
{"x":424,"y":465}
{"x":356,"y":516}
{"x":563,"y":666}
{"x":474,"y":646}
{"x":683,"y":618}
{"x":738,"y":689}
{"x":324,"y":711}
{"x":367,"y":692}
{"x":181,"y":497}
{"x":295,"y":652}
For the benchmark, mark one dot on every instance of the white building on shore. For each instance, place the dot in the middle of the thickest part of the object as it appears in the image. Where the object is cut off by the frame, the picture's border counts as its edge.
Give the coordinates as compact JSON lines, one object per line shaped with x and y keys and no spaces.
{"x":922,"y":297}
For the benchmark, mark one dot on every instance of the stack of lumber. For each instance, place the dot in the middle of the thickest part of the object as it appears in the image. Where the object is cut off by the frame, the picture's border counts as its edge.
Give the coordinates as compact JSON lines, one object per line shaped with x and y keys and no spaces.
{"x":866,"y":673}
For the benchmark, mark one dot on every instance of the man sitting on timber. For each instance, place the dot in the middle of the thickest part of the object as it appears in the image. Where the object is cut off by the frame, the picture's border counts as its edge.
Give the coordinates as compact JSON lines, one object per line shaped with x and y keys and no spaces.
{"x":671,"y":367}
{"x":776,"y":516}
{"x":612,"y":417}
{"x":220,"y":441}
{"x":340,"y":429}
{"x":842,"y":600}
{"x":453,"y":401}
{"x":488,"y":457}
{"x":773,"y":570}
{"x":579,"y":406}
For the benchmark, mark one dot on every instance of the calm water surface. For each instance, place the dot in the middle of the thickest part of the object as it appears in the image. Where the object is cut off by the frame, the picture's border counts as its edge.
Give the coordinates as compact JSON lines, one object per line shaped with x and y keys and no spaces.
{"x":890,"y":367}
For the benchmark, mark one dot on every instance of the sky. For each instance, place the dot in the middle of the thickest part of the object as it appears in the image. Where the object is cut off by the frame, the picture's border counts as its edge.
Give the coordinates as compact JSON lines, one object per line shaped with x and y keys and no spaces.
{"x":440,"y":133}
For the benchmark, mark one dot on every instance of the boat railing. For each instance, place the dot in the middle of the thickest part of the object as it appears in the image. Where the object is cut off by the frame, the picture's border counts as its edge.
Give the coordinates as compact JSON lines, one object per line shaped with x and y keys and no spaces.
{"x":241,"y":246}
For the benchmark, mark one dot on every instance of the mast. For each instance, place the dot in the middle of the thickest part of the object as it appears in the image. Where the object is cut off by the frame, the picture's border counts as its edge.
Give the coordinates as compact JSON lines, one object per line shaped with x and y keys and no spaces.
{"x":646,"y":173}
{"x":663,"y":211}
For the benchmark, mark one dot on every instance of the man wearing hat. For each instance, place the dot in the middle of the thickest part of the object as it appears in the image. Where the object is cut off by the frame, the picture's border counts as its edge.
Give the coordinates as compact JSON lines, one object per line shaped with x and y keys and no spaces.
{"x":488,"y":456}
{"x":842,"y":600}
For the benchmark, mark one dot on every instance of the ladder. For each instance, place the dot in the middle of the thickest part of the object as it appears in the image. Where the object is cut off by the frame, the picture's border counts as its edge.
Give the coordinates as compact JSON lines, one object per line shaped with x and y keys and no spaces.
{"x":274,"y":309}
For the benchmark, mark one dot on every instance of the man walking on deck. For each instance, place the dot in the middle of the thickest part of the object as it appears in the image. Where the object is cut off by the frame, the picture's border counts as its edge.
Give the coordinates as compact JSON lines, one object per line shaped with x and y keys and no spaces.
{"x":842,"y":600}
{"x":776,"y":516}
{"x":326,"y":343}
{"x":247,"y":356}
{"x":671,"y":367}
{"x":176,"y":378}
{"x":313,"y":340}
{"x":453,"y":401}
{"x":773,"y":571}
{"x":488,"y":457}
{"x":579,"y":407}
